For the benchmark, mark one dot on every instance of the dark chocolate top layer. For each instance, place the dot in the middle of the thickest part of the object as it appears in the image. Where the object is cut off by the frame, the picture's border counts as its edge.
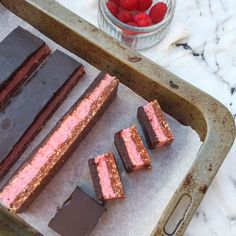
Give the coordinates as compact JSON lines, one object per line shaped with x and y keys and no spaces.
{"x":34,"y":96}
{"x":14,"y":51}
{"x":78,"y":216}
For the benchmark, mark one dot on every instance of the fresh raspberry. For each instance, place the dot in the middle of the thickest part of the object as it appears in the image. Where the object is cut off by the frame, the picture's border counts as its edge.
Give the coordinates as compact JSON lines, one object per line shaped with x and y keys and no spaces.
{"x":143,"y":19}
{"x":113,"y":8}
{"x":117,"y":2}
{"x":129,"y":5}
{"x":144,"y":5}
{"x":158,"y":12}
{"x":125,"y":16}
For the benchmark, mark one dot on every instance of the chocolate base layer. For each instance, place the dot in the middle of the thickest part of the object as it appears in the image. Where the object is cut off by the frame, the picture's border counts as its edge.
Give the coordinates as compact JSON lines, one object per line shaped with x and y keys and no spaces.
{"x":148,"y":130}
{"x":120,"y":145}
{"x":78,"y":216}
{"x":22,"y":74}
{"x":54,"y":162}
{"x":34,"y":105}
{"x":21,"y":52}
{"x":124,"y":155}
{"x":95,"y":179}
{"x":114,"y":178}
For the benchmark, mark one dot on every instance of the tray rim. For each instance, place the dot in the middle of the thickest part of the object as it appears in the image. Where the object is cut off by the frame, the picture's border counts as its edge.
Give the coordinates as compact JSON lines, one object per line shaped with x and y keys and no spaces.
{"x":212,"y":121}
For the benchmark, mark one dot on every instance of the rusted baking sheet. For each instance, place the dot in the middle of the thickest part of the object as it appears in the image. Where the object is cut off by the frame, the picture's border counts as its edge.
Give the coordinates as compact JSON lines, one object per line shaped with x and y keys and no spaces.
{"x":187,"y":104}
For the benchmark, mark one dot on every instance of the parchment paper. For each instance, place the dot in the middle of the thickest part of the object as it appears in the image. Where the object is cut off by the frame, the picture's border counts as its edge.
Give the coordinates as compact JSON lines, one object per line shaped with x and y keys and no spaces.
{"x":148,"y":192}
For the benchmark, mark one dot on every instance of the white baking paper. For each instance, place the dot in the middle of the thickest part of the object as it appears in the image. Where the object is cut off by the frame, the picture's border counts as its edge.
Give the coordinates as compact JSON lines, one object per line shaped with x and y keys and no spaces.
{"x":148,"y":192}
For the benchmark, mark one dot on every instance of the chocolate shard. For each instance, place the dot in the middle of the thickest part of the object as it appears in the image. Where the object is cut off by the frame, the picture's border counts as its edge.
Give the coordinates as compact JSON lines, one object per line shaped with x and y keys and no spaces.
{"x":131,"y":149}
{"x":27,"y":113}
{"x":106,"y":178}
{"x":20,"y":54}
{"x":78,"y":216}
{"x":154,"y":125}
{"x":58,"y":146}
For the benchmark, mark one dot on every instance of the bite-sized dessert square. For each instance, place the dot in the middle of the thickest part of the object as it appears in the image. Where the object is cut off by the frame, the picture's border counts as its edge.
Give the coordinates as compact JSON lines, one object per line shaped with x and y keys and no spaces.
{"x":132,"y":150}
{"x":154,"y":125}
{"x":78,"y":216}
{"x":106,"y":178}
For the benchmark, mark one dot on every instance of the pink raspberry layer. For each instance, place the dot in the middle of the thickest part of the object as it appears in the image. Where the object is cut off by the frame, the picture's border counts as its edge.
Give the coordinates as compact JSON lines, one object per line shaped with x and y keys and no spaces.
{"x":104,"y":177}
{"x":131,"y":148}
{"x":42,"y":156}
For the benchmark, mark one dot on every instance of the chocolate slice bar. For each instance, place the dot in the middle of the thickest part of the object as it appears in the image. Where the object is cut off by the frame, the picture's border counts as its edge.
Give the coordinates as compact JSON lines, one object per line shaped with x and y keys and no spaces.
{"x":106,"y":178}
{"x":27,"y":113}
{"x":20,"y":54}
{"x":132,"y":150}
{"x":78,"y":216}
{"x":58,"y":146}
{"x":154,"y":125}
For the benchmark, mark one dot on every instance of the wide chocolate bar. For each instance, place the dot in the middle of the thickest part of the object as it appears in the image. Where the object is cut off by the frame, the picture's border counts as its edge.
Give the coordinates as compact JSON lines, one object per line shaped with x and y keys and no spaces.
{"x":154,"y":125}
{"x":131,"y":149}
{"x":78,"y":216}
{"x":20,"y":54}
{"x":58,"y":146}
{"x":106,"y":178}
{"x":27,"y":113}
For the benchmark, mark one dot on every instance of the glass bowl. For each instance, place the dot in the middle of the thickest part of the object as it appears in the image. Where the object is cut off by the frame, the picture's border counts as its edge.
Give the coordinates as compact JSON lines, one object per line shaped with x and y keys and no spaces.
{"x":136,"y":37}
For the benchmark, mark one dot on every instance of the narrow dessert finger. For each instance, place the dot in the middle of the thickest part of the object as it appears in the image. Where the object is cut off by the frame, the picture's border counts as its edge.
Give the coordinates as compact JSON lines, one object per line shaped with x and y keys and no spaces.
{"x":58,"y":146}
{"x":20,"y":54}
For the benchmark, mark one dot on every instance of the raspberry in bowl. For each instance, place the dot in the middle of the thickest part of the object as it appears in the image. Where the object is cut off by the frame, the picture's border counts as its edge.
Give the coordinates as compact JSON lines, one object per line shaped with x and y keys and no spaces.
{"x":140,"y":24}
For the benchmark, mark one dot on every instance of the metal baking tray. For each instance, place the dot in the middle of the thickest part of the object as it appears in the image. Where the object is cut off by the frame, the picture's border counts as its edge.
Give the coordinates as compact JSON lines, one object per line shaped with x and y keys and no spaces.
{"x":184,"y":102}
